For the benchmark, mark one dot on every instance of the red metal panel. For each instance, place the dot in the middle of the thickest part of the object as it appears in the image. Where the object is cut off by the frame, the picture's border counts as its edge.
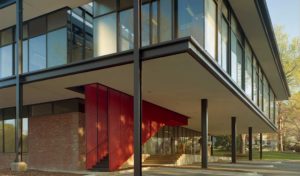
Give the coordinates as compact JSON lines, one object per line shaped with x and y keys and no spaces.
{"x":91,"y":124}
{"x":102,"y":122}
{"x":115,"y":117}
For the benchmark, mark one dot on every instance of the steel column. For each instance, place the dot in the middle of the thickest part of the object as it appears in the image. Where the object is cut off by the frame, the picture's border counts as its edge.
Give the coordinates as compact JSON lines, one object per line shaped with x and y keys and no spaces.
{"x":18,"y":71}
{"x":212,"y":146}
{"x":250,"y":143}
{"x":233,"y":139}
{"x":204,"y":133}
{"x":260,"y":146}
{"x":137,"y":90}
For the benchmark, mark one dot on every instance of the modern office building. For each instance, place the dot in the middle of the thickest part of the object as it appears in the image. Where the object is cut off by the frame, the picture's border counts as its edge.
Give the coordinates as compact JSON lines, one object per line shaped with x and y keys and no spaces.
{"x":209,"y":67}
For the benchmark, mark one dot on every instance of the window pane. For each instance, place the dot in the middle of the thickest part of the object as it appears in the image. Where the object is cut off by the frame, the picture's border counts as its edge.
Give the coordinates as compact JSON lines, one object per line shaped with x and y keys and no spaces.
{"x":9,"y":135}
{"x":89,"y":36}
{"x":104,"y":6}
{"x":210,"y":27}
{"x":105,"y":35}
{"x":191,"y":19}
{"x":6,"y":61}
{"x":154,"y":22}
{"x":261,"y":95}
{"x":255,"y":81}
{"x":165,"y":20}
{"x":6,"y":37}
{"x":126,"y":30}
{"x":224,"y":45}
{"x":37,"y":27}
{"x":145,"y":24}
{"x":248,"y":71}
{"x":37,"y":53}
{"x":272,"y":106}
{"x":76,"y":35}
{"x":57,"y":47}
{"x":25,"y":56}
{"x":266,"y":97}
{"x":57,"y":20}
{"x":236,"y":60}
{"x":25,"y":134}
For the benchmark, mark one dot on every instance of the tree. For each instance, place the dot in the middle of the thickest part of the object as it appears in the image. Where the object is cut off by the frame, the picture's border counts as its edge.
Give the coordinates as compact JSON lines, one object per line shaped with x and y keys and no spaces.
{"x":290,"y":55}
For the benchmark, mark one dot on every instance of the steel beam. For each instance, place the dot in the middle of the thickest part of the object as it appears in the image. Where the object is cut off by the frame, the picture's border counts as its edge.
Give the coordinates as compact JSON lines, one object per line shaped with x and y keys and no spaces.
{"x":204,"y":133}
{"x":260,"y":146}
{"x":137,"y":90}
{"x":233,"y":139}
{"x":250,"y":143}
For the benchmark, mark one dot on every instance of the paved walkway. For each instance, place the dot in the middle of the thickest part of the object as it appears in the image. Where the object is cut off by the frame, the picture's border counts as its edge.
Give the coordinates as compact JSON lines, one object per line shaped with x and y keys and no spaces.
{"x":242,"y":168}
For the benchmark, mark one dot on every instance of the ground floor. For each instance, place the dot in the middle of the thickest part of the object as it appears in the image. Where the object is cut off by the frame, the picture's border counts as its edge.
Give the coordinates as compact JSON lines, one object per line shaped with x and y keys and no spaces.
{"x":254,"y":168}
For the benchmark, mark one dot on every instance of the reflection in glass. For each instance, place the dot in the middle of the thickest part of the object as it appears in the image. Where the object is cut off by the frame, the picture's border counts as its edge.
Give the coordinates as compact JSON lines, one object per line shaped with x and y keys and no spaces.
{"x":9,"y":135}
{"x":224,"y":45}
{"x":255,"y":81}
{"x":146,"y":24}
{"x":6,"y":61}
{"x":25,"y":56}
{"x":105,"y":35}
{"x":191,"y":19}
{"x":25,"y":134}
{"x":236,"y":60}
{"x":57,"y":47}
{"x":126,"y":30}
{"x":210,"y":27}
{"x":165,"y":20}
{"x":37,"y":53}
{"x":104,"y":6}
{"x":266,"y":97}
{"x":154,"y":23}
{"x":248,"y":71}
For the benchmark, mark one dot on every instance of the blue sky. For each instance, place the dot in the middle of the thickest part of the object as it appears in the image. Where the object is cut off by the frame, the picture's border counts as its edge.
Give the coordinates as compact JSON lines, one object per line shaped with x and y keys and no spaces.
{"x":287,"y":14}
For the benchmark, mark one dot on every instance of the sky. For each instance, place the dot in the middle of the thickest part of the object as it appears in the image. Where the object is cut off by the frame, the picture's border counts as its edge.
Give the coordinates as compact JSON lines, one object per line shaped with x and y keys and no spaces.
{"x":287,"y":14}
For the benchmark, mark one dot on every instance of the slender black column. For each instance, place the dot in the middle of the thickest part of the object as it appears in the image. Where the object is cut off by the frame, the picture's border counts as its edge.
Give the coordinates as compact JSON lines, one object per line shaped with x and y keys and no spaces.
{"x":137,"y":90}
{"x":233,"y":139}
{"x":18,"y":71}
{"x":260,"y":146}
{"x":250,"y":143}
{"x":204,"y":133}
{"x":212,"y":146}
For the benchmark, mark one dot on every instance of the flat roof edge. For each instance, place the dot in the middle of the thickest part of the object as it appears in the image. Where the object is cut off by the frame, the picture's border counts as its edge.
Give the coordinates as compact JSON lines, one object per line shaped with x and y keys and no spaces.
{"x":263,"y":11}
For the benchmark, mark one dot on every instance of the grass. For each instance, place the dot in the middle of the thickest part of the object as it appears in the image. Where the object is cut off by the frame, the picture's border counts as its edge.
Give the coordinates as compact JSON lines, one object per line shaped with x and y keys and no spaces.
{"x":267,"y":155}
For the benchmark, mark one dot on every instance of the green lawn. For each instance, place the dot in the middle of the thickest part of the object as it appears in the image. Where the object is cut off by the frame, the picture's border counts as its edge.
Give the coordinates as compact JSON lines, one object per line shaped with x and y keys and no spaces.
{"x":268,"y":155}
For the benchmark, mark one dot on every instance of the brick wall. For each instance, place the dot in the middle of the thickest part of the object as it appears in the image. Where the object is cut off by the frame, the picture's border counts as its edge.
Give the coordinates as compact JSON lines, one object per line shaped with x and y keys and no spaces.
{"x":54,"y":142}
{"x":57,"y":142}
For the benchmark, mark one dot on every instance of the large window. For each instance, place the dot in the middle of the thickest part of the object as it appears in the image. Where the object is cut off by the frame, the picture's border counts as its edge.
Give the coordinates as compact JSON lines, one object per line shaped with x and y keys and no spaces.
{"x":210,"y":27}
{"x":6,"y":61}
{"x":191,"y":19}
{"x":223,"y":55}
{"x":146,"y":24}
{"x":126,"y":30}
{"x":9,"y":130}
{"x":248,"y":71}
{"x":266,"y":97}
{"x":1,"y":132}
{"x":57,"y":47}
{"x":25,"y":134}
{"x":236,"y":60}
{"x":272,"y":106}
{"x":37,"y":53}
{"x":165,"y":20}
{"x":105,"y":35}
{"x":154,"y":22}
{"x":261,"y":89}
{"x":255,"y":81}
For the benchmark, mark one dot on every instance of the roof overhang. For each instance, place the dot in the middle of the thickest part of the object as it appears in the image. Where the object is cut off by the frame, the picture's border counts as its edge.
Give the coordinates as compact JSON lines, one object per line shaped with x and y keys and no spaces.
{"x":256,"y":23}
{"x":32,"y":9}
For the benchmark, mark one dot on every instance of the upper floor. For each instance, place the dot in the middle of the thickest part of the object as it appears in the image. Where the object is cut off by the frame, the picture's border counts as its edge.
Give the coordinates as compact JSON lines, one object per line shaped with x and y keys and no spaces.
{"x":81,"y":30}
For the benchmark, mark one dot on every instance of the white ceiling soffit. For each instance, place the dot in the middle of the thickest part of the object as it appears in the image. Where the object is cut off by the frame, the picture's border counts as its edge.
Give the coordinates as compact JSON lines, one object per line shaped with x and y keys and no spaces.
{"x":249,"y":18}
{"x":35,"y":8}
{"x":176,"y":82}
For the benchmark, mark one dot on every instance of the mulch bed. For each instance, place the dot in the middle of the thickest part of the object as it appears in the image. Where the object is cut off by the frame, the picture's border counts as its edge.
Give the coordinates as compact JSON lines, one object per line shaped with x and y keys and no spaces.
{"x":8,"y":172}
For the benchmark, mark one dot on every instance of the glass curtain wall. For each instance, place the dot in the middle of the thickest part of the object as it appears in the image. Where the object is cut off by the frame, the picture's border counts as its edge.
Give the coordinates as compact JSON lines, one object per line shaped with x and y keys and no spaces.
{"x":223,"y":39}
{"x":248,"y":70}
{"x":173,"y":140}
{"x":6,"y":53}
{"x":211,"y":27}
